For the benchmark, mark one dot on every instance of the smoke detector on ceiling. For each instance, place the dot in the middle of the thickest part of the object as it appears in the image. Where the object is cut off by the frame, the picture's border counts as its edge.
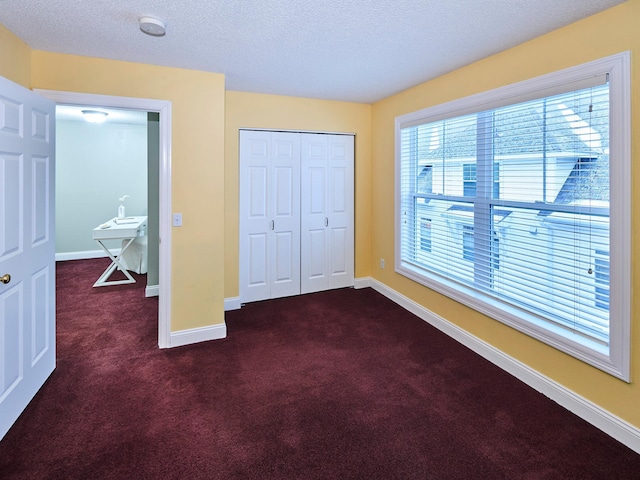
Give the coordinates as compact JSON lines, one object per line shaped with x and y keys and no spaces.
{"x":152,"y":26}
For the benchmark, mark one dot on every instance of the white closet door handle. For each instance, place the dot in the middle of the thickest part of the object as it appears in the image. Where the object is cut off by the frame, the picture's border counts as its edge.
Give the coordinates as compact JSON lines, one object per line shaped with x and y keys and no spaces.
{"x":273,"y":225}
{"x":326,"y":222}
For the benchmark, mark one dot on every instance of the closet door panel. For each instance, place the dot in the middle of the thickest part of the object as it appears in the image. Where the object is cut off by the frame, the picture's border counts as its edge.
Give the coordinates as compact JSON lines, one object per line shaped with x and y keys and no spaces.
{"x":257,"y":241}
{"x":285,"y":252}
{"x":258,"y":257}
{"x":257,"y":192}
{"x":339,"y":239}
{"x":314,"y":214}
{"x":282,"y":261}
{"x":339,"y":253}
{"x":337,"y":191}
{"x":285,"y":147}
{"x":316,"y":258}
{"x":327,"y":212}
{"x":254,"y":216}
{"x":316,"y":191}
{"x":340,"y":208}
{"x":283,"y":192}
{"x":314,"y":240}
{"x":285,"y":199}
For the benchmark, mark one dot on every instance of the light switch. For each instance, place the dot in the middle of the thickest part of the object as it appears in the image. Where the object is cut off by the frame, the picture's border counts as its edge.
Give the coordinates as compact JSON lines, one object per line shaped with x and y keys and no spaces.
{"x":177,"y":219}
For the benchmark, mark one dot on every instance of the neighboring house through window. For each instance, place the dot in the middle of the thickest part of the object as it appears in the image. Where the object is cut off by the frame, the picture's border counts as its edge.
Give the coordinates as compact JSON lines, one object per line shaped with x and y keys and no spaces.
{"x":505,"y":205}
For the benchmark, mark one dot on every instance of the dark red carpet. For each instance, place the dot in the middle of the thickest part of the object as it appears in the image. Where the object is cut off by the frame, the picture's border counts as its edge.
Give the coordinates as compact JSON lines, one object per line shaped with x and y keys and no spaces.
{"x":335,"y":385}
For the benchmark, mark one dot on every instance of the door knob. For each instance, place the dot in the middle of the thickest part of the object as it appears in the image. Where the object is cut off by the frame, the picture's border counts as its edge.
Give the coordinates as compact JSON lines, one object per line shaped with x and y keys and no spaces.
{"x":6,"y":278}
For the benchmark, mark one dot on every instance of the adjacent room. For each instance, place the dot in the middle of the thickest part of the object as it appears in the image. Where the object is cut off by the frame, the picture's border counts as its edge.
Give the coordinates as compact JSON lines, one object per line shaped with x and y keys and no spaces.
{"x":319,"y":241}
{"x":106,"y":182}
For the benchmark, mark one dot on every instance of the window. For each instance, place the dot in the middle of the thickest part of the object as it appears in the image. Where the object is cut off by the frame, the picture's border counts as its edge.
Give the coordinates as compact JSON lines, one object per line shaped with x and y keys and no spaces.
{"x":511,"y":202}
{"x":469,"y":179}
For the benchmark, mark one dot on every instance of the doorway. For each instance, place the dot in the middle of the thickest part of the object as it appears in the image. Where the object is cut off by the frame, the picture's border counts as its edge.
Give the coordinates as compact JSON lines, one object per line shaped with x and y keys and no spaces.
{"x":103,"y":160}
{"x":163,"y":109}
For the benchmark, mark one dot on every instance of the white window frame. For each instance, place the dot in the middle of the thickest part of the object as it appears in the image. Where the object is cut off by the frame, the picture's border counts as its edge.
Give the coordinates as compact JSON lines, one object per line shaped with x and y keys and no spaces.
{"x":616,"y":359}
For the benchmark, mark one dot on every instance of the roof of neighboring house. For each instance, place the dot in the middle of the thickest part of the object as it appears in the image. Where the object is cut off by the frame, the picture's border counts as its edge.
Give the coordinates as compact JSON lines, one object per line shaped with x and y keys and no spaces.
{"x":589,"y":180}
{"x":572,"y":127}
{"x":558,"y":126}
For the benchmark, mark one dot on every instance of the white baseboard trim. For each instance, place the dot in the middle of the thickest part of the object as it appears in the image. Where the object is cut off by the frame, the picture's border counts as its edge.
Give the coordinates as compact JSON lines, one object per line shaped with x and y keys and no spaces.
{"x":196,"y":335}
{"x":232,"y":303}
{"x":362,"y":282}
{"x":63,"y":256}
{"x":152,"y":291}
{"x":609,"y":423}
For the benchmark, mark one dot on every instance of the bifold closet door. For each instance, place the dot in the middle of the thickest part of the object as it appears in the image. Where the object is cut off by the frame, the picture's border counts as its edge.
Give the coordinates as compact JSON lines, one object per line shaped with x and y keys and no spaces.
{"x":269,"y":215}
{"x":327,"y":206}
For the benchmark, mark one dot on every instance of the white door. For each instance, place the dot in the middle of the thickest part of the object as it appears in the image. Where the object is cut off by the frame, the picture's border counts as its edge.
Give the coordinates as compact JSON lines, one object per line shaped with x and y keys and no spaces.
{"x":27,"y":247}
{"x":327,"y":205}
{"x":285,"y":214}
{"x":269,"y":215}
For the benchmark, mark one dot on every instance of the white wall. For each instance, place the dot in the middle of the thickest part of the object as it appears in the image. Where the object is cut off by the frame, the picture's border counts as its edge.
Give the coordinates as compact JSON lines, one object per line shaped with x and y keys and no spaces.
{"x":95,"y":165}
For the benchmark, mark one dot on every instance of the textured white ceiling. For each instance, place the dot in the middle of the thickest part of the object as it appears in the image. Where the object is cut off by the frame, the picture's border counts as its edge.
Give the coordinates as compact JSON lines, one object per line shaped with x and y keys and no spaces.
{"x":352,"y":50}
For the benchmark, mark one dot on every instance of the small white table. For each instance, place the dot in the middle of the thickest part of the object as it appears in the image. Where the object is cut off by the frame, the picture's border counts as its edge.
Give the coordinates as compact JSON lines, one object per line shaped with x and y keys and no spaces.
{"x":127,"y":230}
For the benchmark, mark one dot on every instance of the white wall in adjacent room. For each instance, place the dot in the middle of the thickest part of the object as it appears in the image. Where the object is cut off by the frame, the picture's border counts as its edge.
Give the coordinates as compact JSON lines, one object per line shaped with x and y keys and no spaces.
{"x":95,"y":165}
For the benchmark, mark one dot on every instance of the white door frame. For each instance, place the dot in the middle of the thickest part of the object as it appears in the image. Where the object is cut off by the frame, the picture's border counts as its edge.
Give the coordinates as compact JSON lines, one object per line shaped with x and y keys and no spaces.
{"x":163,"y":107}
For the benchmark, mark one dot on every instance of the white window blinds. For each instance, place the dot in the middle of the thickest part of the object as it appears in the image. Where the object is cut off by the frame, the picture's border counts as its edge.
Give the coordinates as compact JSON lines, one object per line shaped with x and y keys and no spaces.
{"x":518,"y":199}
{"x":510,"y":206}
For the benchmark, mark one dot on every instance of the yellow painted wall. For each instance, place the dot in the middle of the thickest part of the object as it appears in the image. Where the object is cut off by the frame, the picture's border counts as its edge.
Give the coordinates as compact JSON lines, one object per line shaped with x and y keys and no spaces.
{"x":197,"y":157}
{"x":609,"y":32}
{"x":251,"y":110}
{"x":15,"y":58}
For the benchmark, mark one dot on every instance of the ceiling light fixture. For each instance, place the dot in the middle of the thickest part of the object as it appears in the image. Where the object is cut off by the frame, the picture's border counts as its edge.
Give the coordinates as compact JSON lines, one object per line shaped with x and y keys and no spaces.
{"x":94,"y":116}
{"x":152,"y":26}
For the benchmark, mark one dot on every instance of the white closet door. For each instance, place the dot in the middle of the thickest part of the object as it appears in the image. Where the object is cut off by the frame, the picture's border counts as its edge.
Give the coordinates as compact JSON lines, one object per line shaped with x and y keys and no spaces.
{"x":255,"y":148}
{"x":314,"y":249}
{"x":285,"y":199}
{"x":341,"y":207}
{"x":269,"y":215}
{"x":327,"y":224}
